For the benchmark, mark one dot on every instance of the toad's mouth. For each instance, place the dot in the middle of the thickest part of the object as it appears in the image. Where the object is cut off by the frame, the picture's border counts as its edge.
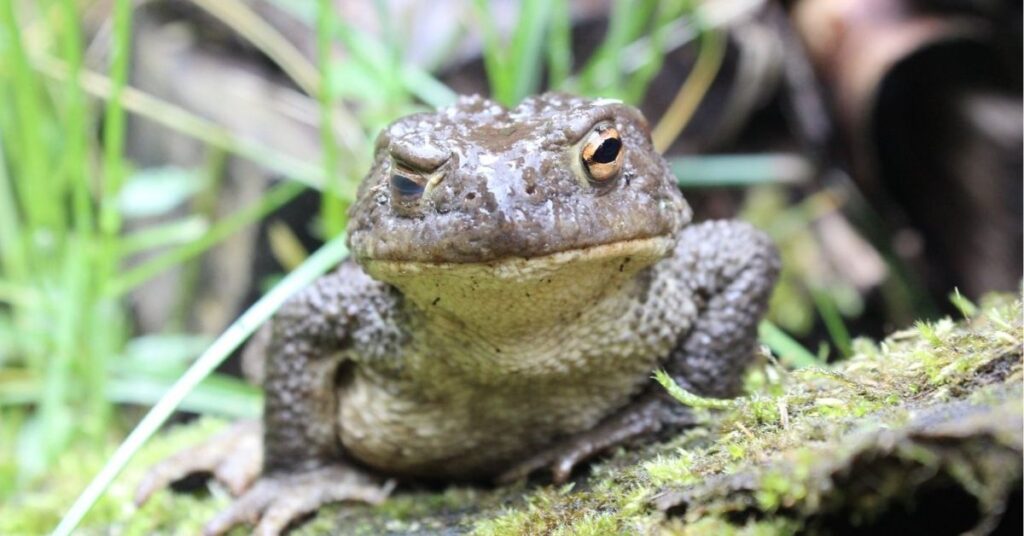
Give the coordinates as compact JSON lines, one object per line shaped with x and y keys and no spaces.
{"x":633,"y":253}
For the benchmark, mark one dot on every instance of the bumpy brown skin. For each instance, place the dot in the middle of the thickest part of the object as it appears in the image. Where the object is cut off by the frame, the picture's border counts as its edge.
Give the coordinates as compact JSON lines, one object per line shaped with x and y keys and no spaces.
{"x":512,"y":185}
{"x":506,"y":320}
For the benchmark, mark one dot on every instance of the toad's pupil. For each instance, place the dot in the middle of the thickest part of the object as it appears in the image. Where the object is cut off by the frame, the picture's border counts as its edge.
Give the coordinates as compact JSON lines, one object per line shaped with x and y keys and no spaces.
{"x":608,"y":151}
{"x":405,"y":186}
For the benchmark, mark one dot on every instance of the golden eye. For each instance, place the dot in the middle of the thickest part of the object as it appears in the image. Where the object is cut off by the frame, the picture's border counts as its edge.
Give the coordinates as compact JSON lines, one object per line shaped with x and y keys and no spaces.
{"x":602,"y":154}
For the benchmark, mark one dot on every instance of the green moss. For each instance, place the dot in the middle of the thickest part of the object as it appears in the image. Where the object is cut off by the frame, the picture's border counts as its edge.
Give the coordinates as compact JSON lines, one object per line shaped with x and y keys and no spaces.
{"x":593,"y":524}
{"x":714,"y":526}
{"x":38,"y":511}
{"x":507,"y":522}
{"x":776,"y":454}
{"x":677,"y":469}
{"x":936,"y":404}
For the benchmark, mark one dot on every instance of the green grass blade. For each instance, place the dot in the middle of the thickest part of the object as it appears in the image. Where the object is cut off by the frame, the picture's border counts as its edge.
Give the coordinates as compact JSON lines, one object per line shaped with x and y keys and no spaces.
{"x":18,"y":387}
{"x":496,"y":61}
{"x":30,"y":150}
{"x":224,"y":228}
{"x":55,"y":410}
{"x":320,"y":262}
{"x":559,"y":45}
{"x":687,"y":398}
{"x":377,"y":61}
{"x":332,"y":211}
{"x":180,"y":120}
{"x":204,"y":205}
{"x":114,"y":122}
{"x":527,"y":48}
{"x":174,"y":232}
{"x":962,"y":304}
{"x":693,"y":90}
{"x":740,"y":170}
{"x":18,"y":295}
{"x":834,"y":324}
{"x":651,"y":60}
{"x":789,"y":350}
{"x":426,"y":87}
{"x":603,"y":73}
{"x":216,"y":395}
{"x":76,"y":128}
{"x":157,"y":191}
{"x":13,"y":257}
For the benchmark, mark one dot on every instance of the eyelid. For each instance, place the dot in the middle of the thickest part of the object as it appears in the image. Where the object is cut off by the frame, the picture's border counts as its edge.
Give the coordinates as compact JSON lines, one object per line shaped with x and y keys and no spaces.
{"x":428,"y":178}
{"x":397,"y":166}
{"x":422,"y":158}
{"x":581,"y":125}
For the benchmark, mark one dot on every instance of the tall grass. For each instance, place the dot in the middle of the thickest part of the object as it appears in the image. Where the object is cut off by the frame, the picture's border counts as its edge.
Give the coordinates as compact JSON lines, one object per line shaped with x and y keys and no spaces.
{"x":331,"y":210}
{"x":64,"y":324}
{"x":66,"y":328}
{"x":515,"y":63}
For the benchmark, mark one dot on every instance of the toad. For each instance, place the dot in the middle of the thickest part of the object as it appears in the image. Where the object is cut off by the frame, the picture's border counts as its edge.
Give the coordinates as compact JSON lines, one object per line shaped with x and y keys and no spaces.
{"x":515,"y":277}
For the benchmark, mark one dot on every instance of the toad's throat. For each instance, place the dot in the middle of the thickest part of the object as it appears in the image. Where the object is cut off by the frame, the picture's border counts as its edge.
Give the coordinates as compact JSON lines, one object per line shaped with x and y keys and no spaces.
{"x":515,"y":294}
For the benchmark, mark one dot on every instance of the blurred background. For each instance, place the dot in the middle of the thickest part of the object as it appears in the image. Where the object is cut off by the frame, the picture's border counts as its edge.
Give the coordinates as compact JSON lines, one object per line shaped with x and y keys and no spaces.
{"x":164,"y":162}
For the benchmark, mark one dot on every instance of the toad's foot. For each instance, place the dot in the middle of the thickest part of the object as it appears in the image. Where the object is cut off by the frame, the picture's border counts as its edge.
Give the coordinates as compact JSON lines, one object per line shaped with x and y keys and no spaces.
{"x":233,"y":457}
{"x":646,"y":416}
{"x":278,"y":499}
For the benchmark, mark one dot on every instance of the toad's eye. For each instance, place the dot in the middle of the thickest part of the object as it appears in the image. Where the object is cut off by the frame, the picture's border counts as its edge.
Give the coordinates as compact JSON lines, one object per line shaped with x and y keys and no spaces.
{"x":406,"y":185}
{"x":602,"y":154}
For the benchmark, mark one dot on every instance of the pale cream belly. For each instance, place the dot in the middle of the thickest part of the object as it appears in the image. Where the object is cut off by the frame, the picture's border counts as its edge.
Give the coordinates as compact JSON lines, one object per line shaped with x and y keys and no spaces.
{"x":509,"y":368}
{"x":474,"y":434}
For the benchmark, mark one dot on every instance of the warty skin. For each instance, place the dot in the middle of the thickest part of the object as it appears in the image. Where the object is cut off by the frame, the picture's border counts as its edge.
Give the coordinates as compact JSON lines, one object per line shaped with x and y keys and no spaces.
{"x":515,"y":279}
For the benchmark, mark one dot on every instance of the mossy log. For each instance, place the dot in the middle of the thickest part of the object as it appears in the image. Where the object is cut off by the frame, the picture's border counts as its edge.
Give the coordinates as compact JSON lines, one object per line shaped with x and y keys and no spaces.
{"x":920,"y":433}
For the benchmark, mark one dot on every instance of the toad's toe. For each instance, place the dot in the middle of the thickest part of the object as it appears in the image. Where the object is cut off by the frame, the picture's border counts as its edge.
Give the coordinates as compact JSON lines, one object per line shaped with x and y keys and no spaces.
{"x":278,"y":500}
{"x":233,"y":457}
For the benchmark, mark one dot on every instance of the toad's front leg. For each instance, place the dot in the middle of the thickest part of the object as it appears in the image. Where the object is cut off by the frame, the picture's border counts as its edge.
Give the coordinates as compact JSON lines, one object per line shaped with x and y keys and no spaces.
{"x":304,"y":465}
{"x":728,"y":269}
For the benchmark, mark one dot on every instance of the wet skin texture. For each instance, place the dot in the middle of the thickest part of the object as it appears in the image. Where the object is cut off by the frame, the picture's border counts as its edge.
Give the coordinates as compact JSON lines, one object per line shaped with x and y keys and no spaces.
{"x":514,"y":281}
